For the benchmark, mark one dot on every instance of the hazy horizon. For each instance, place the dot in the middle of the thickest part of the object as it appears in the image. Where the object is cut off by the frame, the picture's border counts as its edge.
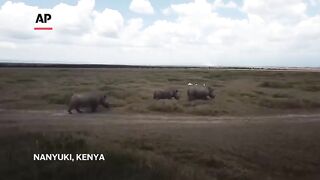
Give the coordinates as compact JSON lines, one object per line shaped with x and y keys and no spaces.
{"x":196,"y":66}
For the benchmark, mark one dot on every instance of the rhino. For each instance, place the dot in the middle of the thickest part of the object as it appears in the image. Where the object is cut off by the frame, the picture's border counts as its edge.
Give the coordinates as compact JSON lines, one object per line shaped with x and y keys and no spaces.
{"x":88,"y":100}
{"x":166,"y":94}
{"x":200,"y":92}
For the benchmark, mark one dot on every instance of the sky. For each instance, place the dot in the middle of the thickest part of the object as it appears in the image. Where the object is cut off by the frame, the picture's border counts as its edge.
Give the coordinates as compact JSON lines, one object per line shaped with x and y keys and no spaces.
{"x":163,"y":32}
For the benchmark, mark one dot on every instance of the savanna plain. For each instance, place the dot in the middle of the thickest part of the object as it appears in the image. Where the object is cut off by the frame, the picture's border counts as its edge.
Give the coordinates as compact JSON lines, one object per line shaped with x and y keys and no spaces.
{"x":262,"y":124}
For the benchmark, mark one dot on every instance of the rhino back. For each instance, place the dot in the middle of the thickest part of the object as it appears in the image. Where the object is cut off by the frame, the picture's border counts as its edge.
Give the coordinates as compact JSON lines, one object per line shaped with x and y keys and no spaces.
{"x":198,"y":92}
{"x":163,"y":94}
{"x":85,"y":99}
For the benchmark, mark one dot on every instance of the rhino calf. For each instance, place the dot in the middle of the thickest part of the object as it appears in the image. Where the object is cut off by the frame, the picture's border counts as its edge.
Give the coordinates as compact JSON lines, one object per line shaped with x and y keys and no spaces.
{"x":88,"y":100}
{"x":200,"y":92}
{"x":166,"y":94}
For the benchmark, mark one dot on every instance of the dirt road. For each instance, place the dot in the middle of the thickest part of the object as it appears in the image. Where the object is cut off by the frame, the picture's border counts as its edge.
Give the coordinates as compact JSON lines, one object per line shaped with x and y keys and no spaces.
{"x":137,"y":125}
{"x":44,"y":117}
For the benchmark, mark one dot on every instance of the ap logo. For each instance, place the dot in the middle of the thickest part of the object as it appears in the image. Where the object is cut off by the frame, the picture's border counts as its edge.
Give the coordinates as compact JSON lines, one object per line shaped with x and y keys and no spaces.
{"x":43,"y":19}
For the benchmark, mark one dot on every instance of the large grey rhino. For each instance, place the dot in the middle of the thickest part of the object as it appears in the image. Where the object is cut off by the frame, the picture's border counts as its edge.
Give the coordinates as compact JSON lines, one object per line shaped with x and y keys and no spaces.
{"x":200,"y":92}
{"x":89,"y":100}
{"x":166,"y":94}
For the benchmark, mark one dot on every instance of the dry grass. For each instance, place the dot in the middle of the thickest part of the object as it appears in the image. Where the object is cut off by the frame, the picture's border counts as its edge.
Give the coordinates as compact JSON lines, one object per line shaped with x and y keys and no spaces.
{"x":120,"y":164}
{"x":225,"y":151}
{"x":130,"y":90}
{"x":165,"y":106}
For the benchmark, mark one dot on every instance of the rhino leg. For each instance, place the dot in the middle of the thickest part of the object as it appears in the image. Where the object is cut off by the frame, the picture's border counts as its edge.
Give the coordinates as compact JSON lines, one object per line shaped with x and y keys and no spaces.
{"x":94,"y":108}
{"x":78,"y":109}
{"x":71,"y":107}
{"x":70,"y":110}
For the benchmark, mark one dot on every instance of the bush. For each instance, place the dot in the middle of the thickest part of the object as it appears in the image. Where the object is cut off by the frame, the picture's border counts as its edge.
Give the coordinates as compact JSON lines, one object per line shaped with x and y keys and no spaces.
{"x":276,"y":85}
{"x":313,"y":88}
{"x":281,"y":95}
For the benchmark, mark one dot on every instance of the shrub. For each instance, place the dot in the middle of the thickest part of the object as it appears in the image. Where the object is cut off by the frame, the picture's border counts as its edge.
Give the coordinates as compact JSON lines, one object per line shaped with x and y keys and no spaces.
{"x":275,"y":85}
{"x":259,"y":92}
{"x":312,"y":88}
{"x":281,"y":95}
